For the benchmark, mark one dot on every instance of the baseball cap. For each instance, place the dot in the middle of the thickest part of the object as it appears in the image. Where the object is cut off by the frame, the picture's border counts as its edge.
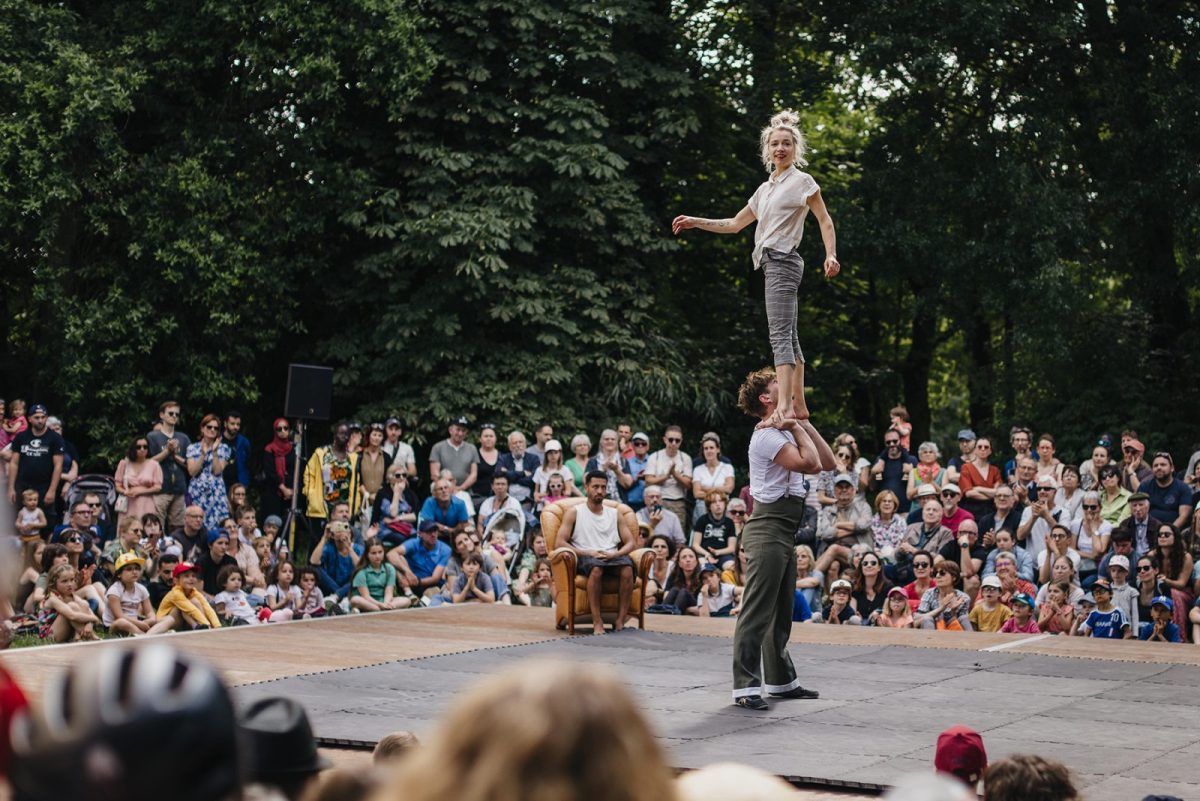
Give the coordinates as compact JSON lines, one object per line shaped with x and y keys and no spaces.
{"x":895,"y":590}
{"x":38,"y":408}
{"x":1023,"y":598}
{"x":844,"y":478}
{"x":1164,"y":601}
{"x":840,"y":584}
{"x":951,"y":488}
{"x":171,"y":552}
{"x":640,"y":436}
{"x":927,"y":490}
{"x":182,"y":568}
{"x":393,"y":421}
{"x":991,"y":581}
{"x":708,"y":568}
{"x":461,"y":420}
{"x":960,"y":752}
{"x":427,"y":524}
{"x":1102,"y":584}
{"x":1088,"y":598}
{"x":1119,"y":560}
{"x":1139,"y":496}
{"x":966,"y":433}
{"x":552,"y":445}
{"x":1137,"y":445}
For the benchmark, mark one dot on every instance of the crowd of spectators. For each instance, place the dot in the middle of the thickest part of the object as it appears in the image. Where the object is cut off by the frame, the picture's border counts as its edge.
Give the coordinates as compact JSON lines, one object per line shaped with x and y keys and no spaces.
{"x":216,"y":531}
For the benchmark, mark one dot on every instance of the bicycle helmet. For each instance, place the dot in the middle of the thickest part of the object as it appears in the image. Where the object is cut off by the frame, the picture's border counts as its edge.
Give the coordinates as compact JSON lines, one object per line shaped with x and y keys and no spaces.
{"x":130,"y":725}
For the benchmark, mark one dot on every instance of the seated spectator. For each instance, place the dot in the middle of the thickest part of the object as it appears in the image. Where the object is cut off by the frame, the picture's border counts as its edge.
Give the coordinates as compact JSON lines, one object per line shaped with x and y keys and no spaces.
{"x":1010,"y":582}
{"x":535,"y":549}
{"x":952,"y":514}
{"x":1114,"y":499}
{"x":928,"y":535}
{"x":192,"y":535}
{"x":1070,"y":496}
{"x":1134,"y":469}
{"x":1091,"y":534}
{"x":128,"y":609}
{"x":241,"y":547}
{"x":393,"y":747}
{"x":960,"y":753}
{"x":520,"y":465}
{"x":661,"y":519}
{"x":989,"y":615}
{"x":185,"y":605}
{"x":979,"y":479}
{"x":63,"y":617}
{"x":966,"y":453}
{"x":164,"y":578}
{"x":501,"y":511}
{"x":580,"y":735}
{"x":466,"y":544}
{"x":1007,"y":516}
{"x":334,"y":559}
{"x":924,"y":493}
{"x":1141,"y":525}
{"x":838,"y":610}
{"x":848,"y":459}
{"x":716,"y":598}
{"x":212,"y":560}
{"x":712,"y":474}
{"x":1160,"y":627}
{"x":1023,"y":481}
{"x":966,"y":552}
{"x":896,"y":613}
{"x":31,"y":568}
{"x":660,"y":569}
{"x":1022,"y":621}
{"x":683,"y":587}
{"x":922,"y":568}
{"x":374,"y":582}
{"x":735,"y":572}
{"x":927,"y":470}
{"x":421,"y":561}
{"x":731,"y":781}
{"x":944,"y":606}
{"x":394,"y":516}
{"x":1170,"y":498}
{"x":312,"y":600}
{"x":1062,"y":571}
{"x":1089,"y":471}
{"x":1040,"y":516}
{"x":447,"y":512}
{"x":1028,"y":778}
{"x":232,"y":603}
{"x":282,"y":599}
{"x":541,"y":588}
{"x":869,"y":590}
{"x":81,"y":518}
{"x":887,"y":526}
{"x":1175,"y":569}
{"x":846,"y":523}
{"x":714,"y":536}
{"x":1058,"y":543}
{"x":1056,"y":613}
{"x":810,"y":582}
{"x":1105,"y":621}
{"x":1048,"y":465}
{"x":1149,"y":584}
{"x":128,"y":540}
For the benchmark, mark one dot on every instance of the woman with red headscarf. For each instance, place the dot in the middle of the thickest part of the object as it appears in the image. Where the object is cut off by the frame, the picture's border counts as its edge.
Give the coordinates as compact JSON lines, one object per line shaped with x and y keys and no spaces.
{"x":279,"y":461}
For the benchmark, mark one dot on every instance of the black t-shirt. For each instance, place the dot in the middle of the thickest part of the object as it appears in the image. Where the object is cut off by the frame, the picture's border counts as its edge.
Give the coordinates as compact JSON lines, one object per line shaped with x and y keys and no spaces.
{"x":158,"y":590}
{"x":209,"y":569}
{"x":894,"y":478}
{"x":714,"y":534}
{"x":867,"y":605}
{"x":37,"y":457}
{"x":843,"y":616}
{"x":951,"y":552}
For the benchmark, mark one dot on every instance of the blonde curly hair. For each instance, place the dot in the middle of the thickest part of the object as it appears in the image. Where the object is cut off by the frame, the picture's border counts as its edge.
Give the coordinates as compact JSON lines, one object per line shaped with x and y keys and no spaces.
{"x":789,"y":121}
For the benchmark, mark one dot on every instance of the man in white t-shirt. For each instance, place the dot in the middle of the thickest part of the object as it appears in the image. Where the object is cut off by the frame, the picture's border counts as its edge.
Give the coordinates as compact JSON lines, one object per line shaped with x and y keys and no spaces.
{"x":601,"y":542}
{"x":780,"y":455}
{"x":400,"y":453}
{"x":671,"y":469}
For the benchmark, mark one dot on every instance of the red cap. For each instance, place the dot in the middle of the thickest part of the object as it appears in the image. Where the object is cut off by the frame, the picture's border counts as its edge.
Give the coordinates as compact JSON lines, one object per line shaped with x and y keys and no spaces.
{"x":182,"y":567}
{"x":960,"y":752}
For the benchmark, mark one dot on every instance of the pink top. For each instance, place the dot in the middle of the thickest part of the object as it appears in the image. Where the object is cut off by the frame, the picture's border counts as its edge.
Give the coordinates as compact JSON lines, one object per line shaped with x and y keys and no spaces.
{"x":1012,"y":627}
{"x":17,"y":425}
{"x":146,"y":476}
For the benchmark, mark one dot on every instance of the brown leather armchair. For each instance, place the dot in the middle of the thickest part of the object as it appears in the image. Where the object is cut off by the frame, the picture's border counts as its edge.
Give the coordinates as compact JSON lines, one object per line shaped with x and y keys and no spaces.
{"x":570,"y":589}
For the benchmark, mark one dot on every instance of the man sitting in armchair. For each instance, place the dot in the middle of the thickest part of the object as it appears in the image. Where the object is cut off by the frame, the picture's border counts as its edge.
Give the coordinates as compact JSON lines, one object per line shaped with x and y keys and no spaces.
{"x":602,"y":541}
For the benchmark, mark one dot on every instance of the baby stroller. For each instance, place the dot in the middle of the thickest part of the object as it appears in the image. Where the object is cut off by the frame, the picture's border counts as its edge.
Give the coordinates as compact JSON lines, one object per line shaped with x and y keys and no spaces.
{"x":106,"y":488}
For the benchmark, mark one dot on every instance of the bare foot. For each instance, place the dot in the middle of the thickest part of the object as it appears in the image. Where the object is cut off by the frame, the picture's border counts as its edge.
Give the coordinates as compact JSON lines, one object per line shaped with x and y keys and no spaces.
{"x":800,"y":413}
{"x":598,"y":628}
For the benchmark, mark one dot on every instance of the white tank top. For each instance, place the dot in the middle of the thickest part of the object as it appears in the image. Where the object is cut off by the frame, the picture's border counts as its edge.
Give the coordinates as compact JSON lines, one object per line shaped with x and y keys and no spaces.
{"x":596,"y":532}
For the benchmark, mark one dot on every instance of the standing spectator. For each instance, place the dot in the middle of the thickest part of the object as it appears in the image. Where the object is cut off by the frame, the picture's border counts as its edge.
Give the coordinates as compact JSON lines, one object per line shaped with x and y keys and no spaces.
{"x":1141,"y":525}
{"x":966,"y":454}
{"x":1021,"y":440}
{"x":489,"y":458}
{"x":372,"y":465}
{"x":892,"y":468}
{"x":237,"y":468}
{"x":552,"y":465}
{"x":1048,"y":464}
{"x":278,"y":468}
{"x":520,"y":465}
{"x":1170,"y":498}
{"x":1134,"y":469}
{"x":713,"y":474}
{"x":399,"y":452}
{"x":36,"y":461}
{"x":639,"y":448}
{"x":927,"y":470}
{"x":978,"y":478}
{"x":1114,"y":499}
{"x":205,"y":464}
{"x":671,"y":469}
{"x":331,"y":477}
{"x":169,"y":447}
{"x":457,"y":455}
{"x":1125,"y":595}
{"x":138,"y":479}
{"x":608,"y":460}
{"x":543,"y":433}
{"x":70,"y":470}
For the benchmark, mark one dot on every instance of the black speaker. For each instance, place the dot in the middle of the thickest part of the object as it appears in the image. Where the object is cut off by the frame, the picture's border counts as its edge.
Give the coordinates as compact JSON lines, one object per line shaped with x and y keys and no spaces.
{"x":309,"y":392}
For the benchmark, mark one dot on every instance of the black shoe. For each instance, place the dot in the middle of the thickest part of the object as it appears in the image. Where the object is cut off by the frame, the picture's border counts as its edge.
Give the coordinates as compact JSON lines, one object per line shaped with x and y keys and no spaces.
{"x":797,"y":692}
{"x":754,"y":702}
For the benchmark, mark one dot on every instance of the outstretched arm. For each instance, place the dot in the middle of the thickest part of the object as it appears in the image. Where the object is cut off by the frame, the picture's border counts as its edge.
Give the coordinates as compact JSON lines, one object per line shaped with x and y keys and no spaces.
{"x":730,"y":225}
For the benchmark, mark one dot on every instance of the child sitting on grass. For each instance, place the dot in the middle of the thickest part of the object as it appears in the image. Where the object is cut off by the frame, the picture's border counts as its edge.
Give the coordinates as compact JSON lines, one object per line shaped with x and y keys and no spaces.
{"x":127,"y":607}
{"x":185,"y":604}
{"x":63,"y":617}
{"x":541,"y":587}
{"x":312,"y":600}
{"x":473,"y":584}
{"x":232,"y":603}
{"x":373,"y":587}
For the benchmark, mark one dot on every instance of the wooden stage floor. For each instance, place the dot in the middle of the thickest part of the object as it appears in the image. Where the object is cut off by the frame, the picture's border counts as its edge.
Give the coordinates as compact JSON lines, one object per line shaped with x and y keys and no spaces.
{"x":255,"y":654}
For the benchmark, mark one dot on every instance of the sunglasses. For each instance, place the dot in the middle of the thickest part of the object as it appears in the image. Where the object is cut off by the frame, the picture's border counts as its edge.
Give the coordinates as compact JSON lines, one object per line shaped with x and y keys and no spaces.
{"x":1046,"y":489}
{"x":920,"y":565}
{"x":1091,"y":506}
{"x":73,"y":539}
{"x":674,"y":440}
{"x":141,"y":446}
{"x":171,"y":414}
{"x":211,"y":427}
{"x":941,"y":572}
{"x":282,"y":428}
{"x":1166,"y":533}
{"x":892,"y":443}
{"x":871,"y":563}
{"x":949,"y":494}
{"x":1145,"y":568}
{"x":737,"y":512}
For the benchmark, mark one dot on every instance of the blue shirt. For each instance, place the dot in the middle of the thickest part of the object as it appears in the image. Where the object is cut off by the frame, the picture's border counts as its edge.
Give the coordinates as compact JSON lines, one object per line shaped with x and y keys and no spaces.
{"x":1109,"y":625}
{"x":339,"y":568}
{"x":634,"y":495}
{"x":456,"y":514}
{"x":1170,"y":631}
{"x":1165,"y":501}
{"x":422,"y":561}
